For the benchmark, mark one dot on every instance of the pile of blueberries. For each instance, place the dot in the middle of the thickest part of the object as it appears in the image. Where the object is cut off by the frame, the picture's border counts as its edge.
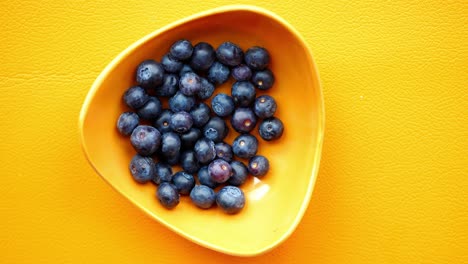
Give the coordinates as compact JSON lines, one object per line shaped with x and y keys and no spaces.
{"x":190,"y":133}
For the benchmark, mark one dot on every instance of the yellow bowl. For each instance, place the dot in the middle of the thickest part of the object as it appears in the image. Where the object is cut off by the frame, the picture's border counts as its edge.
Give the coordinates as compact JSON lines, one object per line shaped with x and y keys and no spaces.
{"x":274,"y":204}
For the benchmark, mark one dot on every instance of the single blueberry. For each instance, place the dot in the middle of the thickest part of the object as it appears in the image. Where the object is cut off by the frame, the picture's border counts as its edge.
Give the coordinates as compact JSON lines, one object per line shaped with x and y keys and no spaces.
{"x":223,"y":151}
{"x":183,"y":182}
{"x":127,"y":122}
{"x":229,"y":54}
{"x":219,"y":170}
{"x":243,"y":120}
{"x":170,"y":144}
{"x":189,"y":84}
{"x":243,"y":93}
{"x":216,"y":129}
{"x":218,"y":73}
{"x":181,"y":49}
{"x":169,"y":86}
{"x":200,"y":114}
{"x":257,"y":58}
{"x":171,"y":64}
{"x":181,"y":122}
{"x":149,"y":74}
{"x":205,"y":150}
{"x":189,"y":138}
{"x":203,"y":196}
{"x":167,"y":195}
{"x":263,"y":80}
{"x":202,"y":57}
{"x":163,"y":121}
{"x":258,"y":165}
{"x":206,"y":90}
{"x":181,"y":102}
{"x":271,"y":128}
{"x":205,"y":179}
{"x":265,"y":106}
{"x":151,"y":109}
{"x":189,"y":162}
{"x":142,"y":168}
{"x":241,"y":73}
{"x":186,"y":68}
{"x":239,"y":173}
{"x":145,"y":140}
{"x":162,"y":173}
{"x":135,"y":97}
{"x":231,"y":199}
{"x":222,"y":105}
{"x":245,"y":146}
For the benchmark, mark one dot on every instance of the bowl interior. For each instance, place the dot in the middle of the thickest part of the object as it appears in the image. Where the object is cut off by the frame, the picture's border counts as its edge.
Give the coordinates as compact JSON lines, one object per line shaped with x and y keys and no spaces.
{"x":275,"y":203}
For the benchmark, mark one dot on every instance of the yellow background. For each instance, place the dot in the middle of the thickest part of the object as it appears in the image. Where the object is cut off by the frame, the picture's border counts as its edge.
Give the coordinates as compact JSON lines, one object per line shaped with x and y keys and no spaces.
{"x":393,"y":182}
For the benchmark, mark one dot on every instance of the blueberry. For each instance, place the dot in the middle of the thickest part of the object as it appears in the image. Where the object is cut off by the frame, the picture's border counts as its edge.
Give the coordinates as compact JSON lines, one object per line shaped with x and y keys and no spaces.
{"x":181,"y":49}
{"x":271,"y":128}
{"x":202,"y":57}
{"x":181,"y":122}
{"x":151,"y":109}
{"x":142,"y":168}
{"x":127,"y":122}
{"x":183,"y":182}
{"x":229,"y":54}
{"x":223,"y":151}
{"x":169,"y":86}
{"x":218,"y":73}
{"x":243,"y":120}
{"x":219,"y":170}
{"x":222,"y":105}
{"x":216,"y":129}
{"x":171,"y":160}
{"x":163,"y":121}
{"x":258,"y":165}
{"x":205,"y":150}
{"x":135,"y":97}
{"x":243,"y":93}
{"x":189,"y":84}
{"x":200,"y":114}
{"x":186,"y":68}
{"x":263,"y":80}
{"x":257,"y":58}
{"x":241,"y":73}
{"x":205,"y":179}
{"x":162,"y":173}
{"x":171,"y":64}
{"x":231,"y":199}
{"x":167,"y":195}
{"x":245,"y":146}
{"x":206,"y":90}
{"x":145,"y":140}
{"x":239,"y":173}
{"x":149,"y":74}
{"x":180,"y":102}
{"x":265,"y":106}
{"x":190,"y":138}
{"x":203,"y":196}
{"x":189,"y":162}
{"x":170,"y":144}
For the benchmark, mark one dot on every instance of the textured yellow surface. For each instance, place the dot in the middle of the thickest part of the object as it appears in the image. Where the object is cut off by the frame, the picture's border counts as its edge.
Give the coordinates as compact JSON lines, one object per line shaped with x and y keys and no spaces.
{"x":393,"y":182}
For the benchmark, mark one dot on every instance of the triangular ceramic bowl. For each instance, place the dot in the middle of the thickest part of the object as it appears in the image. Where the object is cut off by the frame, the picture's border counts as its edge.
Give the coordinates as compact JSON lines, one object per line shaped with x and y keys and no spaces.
{"x":276,"y":203}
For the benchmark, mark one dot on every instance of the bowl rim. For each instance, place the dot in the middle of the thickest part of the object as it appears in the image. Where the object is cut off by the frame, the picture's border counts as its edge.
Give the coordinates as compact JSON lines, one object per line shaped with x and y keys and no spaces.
{"x":319,"y":137}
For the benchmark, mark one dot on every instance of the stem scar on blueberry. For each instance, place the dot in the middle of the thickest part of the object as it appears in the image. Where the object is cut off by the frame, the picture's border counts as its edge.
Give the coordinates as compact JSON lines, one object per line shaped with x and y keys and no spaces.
{"x":262,"y":100}
{"x":254,"y":165}
{"x":242,"y":143}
